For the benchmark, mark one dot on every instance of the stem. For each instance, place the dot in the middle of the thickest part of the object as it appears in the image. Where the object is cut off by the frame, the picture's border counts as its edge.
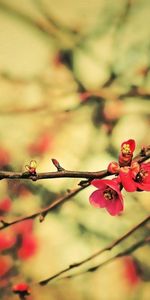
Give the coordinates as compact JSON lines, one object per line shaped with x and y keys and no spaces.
{"x":99,"y":252}
{"x":49,"y":175}
{"x":121,"y":254}
{"x":42,"y":213}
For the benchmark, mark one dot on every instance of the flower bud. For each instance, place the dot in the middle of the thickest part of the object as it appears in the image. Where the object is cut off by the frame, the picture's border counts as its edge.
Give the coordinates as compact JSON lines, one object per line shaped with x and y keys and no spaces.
{"x":21,"y":288}
{"x":113,"y":167}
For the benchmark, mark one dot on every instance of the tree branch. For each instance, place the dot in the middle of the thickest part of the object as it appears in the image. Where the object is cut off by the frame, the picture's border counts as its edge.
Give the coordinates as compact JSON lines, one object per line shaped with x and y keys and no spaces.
{"x":128,"y":251}
{"x":99,"y":252}
{"x":43,"y":212}
{"x":141,"y":157}
{"x":49,"y":175}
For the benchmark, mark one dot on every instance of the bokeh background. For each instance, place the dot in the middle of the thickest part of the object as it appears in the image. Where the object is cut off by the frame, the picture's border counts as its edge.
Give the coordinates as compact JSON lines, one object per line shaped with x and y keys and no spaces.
{"x":74,"y":84}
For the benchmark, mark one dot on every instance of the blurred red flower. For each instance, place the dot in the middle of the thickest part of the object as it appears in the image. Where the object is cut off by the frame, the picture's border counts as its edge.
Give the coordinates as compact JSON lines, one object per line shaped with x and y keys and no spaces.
{"x":24,"y":227}
{"x":41,"y":145}
{"x":130,"y":271}
{"x":5,"y":205}
{"x":5,"y":264}
{"x":4,"y":157}
{"x":28,"y":247}
{"x":7,"y":240}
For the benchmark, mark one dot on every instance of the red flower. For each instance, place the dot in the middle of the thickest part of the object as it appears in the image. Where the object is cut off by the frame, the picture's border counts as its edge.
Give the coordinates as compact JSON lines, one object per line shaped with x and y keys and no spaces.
{"x":136,"y":177}
{"x":5,"y":205}
{"x":28,"y":247}
{"x":142,"y":178}
{"x":130,"y":271}
{"x":7,"y":240}
{"x":127,"y":180}
{"x":41,"y":145}
{"x":107,"y":195}
{"x":127,"y":149}
{"x":24,"y":228}
{"x":5,"y":264}
{"x":4,"y":157}
{"x":21,"y":288}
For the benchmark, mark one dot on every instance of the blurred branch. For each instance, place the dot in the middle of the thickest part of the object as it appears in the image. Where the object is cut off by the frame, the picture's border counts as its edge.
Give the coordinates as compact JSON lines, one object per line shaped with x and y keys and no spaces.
{"x":45,"y":25}
{"x":43,"y":212}
{"x":42,"y":8}
{"x":40,"y":25}
{"x":124,"y":15}
{"x":128,"y":251}
{"x":99,"y":252}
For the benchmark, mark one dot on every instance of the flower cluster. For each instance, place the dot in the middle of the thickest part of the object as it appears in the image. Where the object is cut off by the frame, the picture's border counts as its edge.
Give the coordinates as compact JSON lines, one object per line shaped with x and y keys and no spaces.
{"x":19,"y":239}
{"x":131,"y":175}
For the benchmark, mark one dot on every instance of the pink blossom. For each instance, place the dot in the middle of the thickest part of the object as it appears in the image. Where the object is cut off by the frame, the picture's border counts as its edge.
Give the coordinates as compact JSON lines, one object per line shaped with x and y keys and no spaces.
{"x":5,"y":264}
{"x":28,"y":247}
{"x":127,"y":149}
{"x":107,"y":195}
{"x":136,"y":177}
{"x":7,"y":240}
{"x":5,"y":205}
{"x":41,"y":145}
{"x":142,"y":178}
{"x":130,"y":271}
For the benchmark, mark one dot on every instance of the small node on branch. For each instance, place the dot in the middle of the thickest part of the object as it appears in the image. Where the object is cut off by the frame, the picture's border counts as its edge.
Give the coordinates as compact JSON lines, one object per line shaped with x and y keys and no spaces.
{"x":57,"y":165}
{"x":42,"y":216}
{"x":83,"y":182}
{"x":4,"y":224}
{"x":143,"y":151}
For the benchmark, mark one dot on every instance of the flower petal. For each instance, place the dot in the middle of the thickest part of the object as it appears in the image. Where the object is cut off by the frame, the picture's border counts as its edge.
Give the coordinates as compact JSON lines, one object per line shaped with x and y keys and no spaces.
{"x":97,"y":199}
{"x":126,"y":179}
{"x":143,"y":186}
{"x":114,"y":207}
{"x":99,"y":183}
{"x":131,"y":144}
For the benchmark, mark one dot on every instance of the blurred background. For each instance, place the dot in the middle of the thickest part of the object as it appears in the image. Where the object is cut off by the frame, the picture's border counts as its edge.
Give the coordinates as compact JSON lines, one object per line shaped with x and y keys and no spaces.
{"x":74,"y":84}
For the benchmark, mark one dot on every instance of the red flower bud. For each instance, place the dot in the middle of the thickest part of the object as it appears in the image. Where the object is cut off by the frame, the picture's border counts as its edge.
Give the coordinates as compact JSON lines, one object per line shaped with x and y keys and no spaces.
{"x":21,"y":288}
{"x":127,"y":149}
{"x":113,"y":167}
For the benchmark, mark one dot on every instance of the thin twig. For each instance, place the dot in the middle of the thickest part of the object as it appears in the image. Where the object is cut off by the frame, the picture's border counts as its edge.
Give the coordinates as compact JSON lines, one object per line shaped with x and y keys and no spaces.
{"x":99,"y":252}
{"x":44,"y":211}
{"x":126,"y":252}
